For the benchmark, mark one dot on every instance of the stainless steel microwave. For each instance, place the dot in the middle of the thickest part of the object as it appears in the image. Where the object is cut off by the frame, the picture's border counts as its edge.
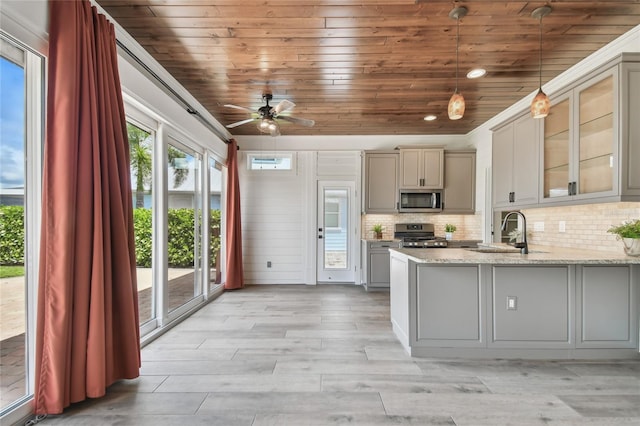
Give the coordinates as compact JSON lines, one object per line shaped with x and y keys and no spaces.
{"x":420,"y":201}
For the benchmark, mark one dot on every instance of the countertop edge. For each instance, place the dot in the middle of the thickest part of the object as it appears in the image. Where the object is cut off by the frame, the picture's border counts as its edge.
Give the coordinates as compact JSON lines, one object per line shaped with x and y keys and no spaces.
{"x":550,"y":256}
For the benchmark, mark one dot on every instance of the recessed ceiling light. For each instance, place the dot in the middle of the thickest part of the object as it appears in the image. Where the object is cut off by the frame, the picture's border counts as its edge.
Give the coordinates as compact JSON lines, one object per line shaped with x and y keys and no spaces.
{"x":476,"y":73}
{"x":430,"y":117}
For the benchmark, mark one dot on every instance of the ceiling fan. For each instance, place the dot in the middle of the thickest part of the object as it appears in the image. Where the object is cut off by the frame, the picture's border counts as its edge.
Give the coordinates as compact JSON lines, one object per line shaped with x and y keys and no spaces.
{"x":267,"y":116}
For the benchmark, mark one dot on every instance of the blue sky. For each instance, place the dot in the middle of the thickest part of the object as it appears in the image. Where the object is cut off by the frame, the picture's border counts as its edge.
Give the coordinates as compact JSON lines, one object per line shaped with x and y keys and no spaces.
{"x":11,"y":125}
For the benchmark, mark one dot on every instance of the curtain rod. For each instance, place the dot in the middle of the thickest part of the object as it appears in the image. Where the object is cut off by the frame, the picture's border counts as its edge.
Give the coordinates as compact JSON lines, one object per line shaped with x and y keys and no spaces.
{"x":173,"y":93}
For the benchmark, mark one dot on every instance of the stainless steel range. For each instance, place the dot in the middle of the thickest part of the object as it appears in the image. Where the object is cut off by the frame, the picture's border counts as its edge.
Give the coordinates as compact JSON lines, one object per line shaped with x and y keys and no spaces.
{"x":418,"y":235}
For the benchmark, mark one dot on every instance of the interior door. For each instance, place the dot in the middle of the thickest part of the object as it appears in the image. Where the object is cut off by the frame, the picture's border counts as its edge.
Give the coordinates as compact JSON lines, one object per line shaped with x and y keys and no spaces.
{"x":336,"y":232}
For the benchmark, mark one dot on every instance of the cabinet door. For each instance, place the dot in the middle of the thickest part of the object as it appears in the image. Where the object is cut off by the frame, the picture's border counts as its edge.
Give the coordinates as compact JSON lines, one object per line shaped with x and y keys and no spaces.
{"x":459,"y":182}
{"x":433,"y":165}
{"x":379,"y":269}
{"x":525,"y":161}
{"x":556,"y":150}
{"x":381,"y":183}
{"x":502,"y":166}
{"x":411,"y":167}
{"x":596,"y":137}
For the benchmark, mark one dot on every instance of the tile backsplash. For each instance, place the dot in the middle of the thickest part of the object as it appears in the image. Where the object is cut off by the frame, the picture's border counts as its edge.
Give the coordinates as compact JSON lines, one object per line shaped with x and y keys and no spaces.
{"x":469,"y":227}
{"x":585,"y":226}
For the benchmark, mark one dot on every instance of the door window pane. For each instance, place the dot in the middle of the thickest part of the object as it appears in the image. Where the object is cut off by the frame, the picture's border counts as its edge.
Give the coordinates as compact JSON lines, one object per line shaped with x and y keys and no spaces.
{"x":141,"y":163}
{"x":183,"y":226}
{"x":336,"y":225}
{"x":13,"y":305}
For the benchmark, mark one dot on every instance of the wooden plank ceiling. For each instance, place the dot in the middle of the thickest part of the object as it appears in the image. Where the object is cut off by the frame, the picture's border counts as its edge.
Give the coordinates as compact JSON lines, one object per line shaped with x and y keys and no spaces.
{"x":365,"y":67}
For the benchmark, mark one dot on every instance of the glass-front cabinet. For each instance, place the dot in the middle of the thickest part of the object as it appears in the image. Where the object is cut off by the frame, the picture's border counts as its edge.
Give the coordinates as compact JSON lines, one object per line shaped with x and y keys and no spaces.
{"x":579,"y":149}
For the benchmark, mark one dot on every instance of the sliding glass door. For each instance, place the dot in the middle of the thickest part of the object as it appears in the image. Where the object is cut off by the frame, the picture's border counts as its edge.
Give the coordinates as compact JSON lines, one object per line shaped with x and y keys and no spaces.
{"x":21,"y":85}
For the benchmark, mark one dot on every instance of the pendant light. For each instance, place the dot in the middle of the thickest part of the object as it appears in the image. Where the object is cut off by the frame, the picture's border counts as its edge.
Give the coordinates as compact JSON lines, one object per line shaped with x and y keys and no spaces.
{"x":456,"y":103}
{"x":540,"y":105}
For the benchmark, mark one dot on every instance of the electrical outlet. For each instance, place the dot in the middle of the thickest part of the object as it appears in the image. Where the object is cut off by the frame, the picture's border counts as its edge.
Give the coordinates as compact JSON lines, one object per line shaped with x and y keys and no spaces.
{"x":512,"y":303}
{"x":268,"y":264}
{"x":562,"y":226}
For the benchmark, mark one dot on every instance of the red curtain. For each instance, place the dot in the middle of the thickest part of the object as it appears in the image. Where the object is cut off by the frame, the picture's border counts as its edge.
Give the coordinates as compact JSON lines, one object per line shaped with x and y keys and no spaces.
{"x":87,"y":330}
{"x":235,"y":277}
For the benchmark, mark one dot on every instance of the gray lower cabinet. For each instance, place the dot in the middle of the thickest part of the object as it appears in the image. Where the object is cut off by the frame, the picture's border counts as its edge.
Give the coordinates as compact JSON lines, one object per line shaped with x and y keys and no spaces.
{"x":375,"y":264}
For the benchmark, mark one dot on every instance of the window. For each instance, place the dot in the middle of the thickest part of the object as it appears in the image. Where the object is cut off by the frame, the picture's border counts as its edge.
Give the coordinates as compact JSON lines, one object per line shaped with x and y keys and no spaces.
{"x":141,"y":166}
{"x":260,"y":161}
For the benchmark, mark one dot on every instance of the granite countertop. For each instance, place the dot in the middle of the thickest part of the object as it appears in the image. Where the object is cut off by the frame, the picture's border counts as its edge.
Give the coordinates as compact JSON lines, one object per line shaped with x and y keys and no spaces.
{"x":511,"y":256}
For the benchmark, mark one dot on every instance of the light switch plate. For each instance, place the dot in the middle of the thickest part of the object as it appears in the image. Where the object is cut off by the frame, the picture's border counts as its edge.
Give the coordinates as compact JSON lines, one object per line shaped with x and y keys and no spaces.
{"x":512,"y":303}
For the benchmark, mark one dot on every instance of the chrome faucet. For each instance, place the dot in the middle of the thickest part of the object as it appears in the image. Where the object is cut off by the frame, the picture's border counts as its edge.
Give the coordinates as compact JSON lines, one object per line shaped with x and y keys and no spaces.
{"x":523,"y":246}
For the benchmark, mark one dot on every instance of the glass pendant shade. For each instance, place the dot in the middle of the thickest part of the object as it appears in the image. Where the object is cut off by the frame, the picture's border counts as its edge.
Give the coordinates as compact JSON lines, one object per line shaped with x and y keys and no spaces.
{"x":456,"y":106}
{"x":540,"y":105}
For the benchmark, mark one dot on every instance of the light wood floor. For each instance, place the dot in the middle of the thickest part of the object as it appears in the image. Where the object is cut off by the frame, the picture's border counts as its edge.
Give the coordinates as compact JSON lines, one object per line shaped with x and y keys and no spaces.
{"x":326,"y":355}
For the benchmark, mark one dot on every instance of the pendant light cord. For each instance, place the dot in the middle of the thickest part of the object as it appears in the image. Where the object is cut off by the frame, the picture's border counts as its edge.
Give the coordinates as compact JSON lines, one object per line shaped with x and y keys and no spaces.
{"x":540,"y":55}
{"x":457,"y":48}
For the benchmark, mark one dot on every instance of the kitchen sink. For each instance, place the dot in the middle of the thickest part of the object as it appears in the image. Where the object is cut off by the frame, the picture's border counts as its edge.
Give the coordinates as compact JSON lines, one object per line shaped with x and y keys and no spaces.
{"x":494,"y":250}
{"x":500,"y":250}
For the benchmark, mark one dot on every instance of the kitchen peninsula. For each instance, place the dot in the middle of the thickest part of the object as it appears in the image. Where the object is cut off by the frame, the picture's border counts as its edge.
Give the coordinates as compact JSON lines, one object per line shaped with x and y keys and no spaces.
{"x":497,"y":303}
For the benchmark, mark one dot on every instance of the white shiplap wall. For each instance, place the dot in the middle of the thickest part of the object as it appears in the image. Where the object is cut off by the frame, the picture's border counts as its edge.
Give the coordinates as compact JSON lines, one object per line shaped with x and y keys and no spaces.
{"x":273,"y":205}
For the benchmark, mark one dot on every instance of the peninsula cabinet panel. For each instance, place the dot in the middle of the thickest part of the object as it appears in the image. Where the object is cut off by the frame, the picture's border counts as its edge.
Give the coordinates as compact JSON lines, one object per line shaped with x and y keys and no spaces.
{"x":422,"y":168}
{"x":459,"y":182}
{"x":381,"y":182}
{"x":607,"y":302}
{"x":532,"y":306}
{"x":448,"y":305}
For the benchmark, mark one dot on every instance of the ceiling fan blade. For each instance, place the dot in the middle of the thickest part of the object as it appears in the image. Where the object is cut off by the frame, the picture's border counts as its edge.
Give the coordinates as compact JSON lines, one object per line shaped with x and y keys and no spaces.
{"x":296,"y":120}
{"x":239,"y":123}
{"x":239,"y":107}
{"x":283,"y":106}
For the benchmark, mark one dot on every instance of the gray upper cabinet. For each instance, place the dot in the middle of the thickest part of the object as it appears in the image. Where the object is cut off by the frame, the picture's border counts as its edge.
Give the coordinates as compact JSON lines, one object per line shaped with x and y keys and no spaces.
{"x":591,"y":140}
{"x":459,"y":182}
{"x":381,"y":182}
{"x":422,"y":168}
{"x":515,"y":163}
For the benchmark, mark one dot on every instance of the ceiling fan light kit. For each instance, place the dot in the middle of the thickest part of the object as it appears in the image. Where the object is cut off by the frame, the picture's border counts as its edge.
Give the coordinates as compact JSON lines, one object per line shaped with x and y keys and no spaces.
{"x":456,"y":103}
{"x":540,"y":106}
